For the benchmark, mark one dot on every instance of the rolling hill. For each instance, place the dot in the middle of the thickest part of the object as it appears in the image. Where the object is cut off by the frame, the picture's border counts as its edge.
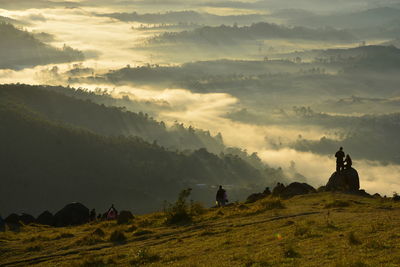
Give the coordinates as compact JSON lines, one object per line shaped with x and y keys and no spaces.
{"x":324,"y":229}
{"x":20,"y":49}
{"x":48,"y":161}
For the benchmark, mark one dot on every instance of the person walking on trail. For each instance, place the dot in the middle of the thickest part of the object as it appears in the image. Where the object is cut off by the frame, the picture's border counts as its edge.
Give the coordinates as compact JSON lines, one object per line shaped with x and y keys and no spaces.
{"x":221,"y":197}
{"x":112,"y":213}
{"x":348,"y":162}
{"x":340,"y":160}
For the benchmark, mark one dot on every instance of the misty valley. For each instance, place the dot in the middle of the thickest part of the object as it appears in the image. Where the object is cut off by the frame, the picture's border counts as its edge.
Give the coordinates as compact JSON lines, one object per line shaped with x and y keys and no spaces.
{"x":138,"y":103}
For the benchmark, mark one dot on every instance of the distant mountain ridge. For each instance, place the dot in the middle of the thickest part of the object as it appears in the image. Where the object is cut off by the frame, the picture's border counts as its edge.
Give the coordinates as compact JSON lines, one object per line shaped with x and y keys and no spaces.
{"x":362,"y":19}
{"x":20,"y":49}
{"x":229,"y":35}
{"x":188,"y":16}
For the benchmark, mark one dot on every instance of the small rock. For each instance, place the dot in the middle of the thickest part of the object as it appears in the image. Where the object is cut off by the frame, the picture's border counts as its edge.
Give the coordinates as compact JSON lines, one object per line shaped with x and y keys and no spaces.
{"x":72,"y":214}
{"x":125,"y":217}
{"x":46,"y":218}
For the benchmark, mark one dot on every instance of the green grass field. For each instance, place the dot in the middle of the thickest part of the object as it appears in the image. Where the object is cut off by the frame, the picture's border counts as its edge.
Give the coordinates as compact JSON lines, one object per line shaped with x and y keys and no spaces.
{"x":324,"y":229}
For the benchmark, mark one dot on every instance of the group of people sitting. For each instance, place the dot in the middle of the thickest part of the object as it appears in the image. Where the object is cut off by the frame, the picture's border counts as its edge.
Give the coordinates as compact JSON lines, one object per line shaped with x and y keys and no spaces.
{"x":342,"y":163}
{"x":111,"y":214}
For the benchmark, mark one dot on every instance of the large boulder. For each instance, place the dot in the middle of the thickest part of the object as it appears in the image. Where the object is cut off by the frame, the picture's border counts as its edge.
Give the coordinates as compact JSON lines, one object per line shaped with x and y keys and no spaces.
{"x":295,"y":189}
{"x":12,"y":221}
{"x":26,"y":218}
{"x":345,"y":181}
{"x":46,"y":218}
{"x":125,"y":217}
{"x":72,"y":214}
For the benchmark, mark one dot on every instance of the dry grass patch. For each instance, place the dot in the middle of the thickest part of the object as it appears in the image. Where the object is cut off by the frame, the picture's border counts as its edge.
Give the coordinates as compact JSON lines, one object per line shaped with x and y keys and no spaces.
{"x":117,"y":237}
{"x":337,"y":204}
{"x":144,"y":256}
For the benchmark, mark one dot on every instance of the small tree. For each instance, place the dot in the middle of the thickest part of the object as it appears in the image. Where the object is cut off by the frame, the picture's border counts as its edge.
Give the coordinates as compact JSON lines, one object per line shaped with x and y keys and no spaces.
{"x":179,"y":212}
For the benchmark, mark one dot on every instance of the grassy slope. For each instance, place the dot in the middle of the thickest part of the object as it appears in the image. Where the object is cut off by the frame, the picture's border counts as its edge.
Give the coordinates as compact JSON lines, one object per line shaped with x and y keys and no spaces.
{"x":364,"y":233}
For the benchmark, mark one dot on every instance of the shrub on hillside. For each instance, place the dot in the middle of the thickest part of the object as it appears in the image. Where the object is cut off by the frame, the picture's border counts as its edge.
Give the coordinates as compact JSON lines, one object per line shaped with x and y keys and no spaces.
{"x":179,"y":212}
{"x":273,"y":204}
{"x":143,"y":256}
{"x":353,"y":239}
{"x":118,"y":237}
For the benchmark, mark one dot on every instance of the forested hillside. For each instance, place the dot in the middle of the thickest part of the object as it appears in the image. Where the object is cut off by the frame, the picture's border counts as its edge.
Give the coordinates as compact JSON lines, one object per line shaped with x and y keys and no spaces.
{"x":20,"y":49}
{"x":47,"y":163}
{"x":78,"y":108}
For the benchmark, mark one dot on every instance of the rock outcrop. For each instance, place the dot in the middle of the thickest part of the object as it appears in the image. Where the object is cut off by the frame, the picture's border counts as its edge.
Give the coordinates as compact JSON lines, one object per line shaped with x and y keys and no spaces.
{"x":295,"y":189}
{"x":125,"y":217}
{"x":46,"y":218}
{"x":278,"y":190}
{"x":344,"y":181}
{"x":72,"y":214}
{"x":12,"y":221}
{"x":26,"y":218}
{"x":257,"y":196}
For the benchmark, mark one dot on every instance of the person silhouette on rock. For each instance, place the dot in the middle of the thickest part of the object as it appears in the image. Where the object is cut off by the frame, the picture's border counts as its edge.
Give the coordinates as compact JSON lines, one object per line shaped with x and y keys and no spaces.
{"x":340,"y":160}
{"x":348,"y":162}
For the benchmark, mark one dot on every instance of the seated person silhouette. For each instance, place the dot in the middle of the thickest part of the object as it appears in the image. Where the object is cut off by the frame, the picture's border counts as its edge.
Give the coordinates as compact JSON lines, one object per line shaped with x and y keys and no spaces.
{"x":348,"y":162}
{"x":340,"y":160}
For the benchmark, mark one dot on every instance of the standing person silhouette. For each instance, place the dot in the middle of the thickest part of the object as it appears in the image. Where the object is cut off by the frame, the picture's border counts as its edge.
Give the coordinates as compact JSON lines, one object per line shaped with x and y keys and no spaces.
{"x":221,"y":197}
{"x":340,"y":160}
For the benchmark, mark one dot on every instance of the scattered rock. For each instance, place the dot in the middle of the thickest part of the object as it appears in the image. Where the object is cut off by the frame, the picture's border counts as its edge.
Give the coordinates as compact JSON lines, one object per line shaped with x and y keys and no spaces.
{"x":254,"y":197}
{"x":362,"y":193}
{"x":267,"y":191}
{"x":12,"y":221}
{"x":26,"y":218}
{"x":277,"y":191}
{"x":125,"y":217}
{"x":72,"y":214}
{"x":257,"y":196}
{"x":295,"y":189}
{"x":46,"y":218}
{"x":376,"y":195}
{"x":345,"y":181}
